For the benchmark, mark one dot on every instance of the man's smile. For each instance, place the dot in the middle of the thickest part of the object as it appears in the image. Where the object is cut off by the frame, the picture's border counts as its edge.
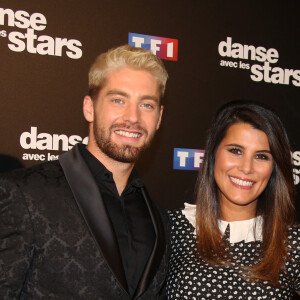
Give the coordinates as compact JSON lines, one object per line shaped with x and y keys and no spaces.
{"x":128,"y":134}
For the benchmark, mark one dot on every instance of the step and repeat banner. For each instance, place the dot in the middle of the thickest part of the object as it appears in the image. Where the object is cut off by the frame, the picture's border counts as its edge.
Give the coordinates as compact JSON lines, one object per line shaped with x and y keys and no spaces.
{"x":214,"y":51}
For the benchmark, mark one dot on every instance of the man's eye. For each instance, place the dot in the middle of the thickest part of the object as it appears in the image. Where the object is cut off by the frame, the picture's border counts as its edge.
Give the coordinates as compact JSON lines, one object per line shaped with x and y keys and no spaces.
{"x":147,"y":105}
{"x":117,"y":101}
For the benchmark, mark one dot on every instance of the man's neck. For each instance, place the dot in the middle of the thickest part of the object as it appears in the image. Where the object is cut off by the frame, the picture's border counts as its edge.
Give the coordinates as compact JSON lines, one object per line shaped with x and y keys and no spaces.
{"x":121,"y":171}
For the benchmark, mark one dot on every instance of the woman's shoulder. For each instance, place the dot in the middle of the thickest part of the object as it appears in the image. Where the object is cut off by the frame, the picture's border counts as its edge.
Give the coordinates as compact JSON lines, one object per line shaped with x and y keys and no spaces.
{"x":175,"y":215}
{"x":293,"y":245}
{"x":294,"y":235}
{"x":183,"y":215}
{"x":189,"y":210}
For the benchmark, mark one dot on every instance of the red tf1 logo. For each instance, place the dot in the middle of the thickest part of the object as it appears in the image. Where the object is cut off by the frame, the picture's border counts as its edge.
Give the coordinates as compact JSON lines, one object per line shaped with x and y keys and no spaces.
{"x":164,"y":48}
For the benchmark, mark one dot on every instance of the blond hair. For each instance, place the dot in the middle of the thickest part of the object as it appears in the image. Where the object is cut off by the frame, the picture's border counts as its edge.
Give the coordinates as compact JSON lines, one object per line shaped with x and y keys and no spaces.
{"x":125,"y":56}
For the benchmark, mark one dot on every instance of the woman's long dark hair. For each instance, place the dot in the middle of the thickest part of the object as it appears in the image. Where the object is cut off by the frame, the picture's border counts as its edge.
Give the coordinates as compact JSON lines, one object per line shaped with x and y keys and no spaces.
{"x":275,"y":204}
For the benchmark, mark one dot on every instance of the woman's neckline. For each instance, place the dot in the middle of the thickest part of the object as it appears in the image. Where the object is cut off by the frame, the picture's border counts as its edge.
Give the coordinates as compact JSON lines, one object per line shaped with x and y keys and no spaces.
{"x":244,"y":230}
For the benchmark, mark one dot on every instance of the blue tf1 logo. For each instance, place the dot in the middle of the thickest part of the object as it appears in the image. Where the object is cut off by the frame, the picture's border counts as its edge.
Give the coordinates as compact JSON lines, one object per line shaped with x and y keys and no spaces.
{"x":164,"y":48}
{"x":187,"y":159}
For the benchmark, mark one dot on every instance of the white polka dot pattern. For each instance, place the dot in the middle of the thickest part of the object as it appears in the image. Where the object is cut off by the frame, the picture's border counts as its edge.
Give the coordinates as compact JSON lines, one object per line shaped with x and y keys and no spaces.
{"x":191,"y":278}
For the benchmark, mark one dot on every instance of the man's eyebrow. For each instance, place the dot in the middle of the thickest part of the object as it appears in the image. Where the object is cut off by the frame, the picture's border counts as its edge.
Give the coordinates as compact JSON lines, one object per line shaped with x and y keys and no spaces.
{"x":150,"y":97}
{"x":124,"y":94}
{"x":117,"y":92}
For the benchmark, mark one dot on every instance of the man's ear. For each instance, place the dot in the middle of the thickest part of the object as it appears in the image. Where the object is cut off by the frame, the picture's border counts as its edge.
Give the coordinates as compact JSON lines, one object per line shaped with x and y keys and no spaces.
{"x":88,"y":109}
{"x":160,"y":116}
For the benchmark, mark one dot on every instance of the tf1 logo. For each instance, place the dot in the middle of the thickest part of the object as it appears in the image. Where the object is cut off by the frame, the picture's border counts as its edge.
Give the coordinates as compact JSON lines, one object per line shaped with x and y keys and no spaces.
{"x":187,"y":159}
{"x":164,"y":48}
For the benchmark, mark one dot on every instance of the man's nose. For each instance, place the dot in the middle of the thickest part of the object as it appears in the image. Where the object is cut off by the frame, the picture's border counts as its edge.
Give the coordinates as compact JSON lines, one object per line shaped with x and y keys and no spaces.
{"x":132,"y":113}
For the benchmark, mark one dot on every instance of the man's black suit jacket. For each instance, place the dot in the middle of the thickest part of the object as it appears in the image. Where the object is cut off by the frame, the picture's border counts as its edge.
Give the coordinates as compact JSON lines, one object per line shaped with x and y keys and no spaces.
{"x":53,"y":247}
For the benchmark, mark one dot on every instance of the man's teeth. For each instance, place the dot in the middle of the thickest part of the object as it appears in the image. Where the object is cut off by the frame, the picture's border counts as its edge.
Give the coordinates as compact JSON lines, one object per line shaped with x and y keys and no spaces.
{"x":241,"y":182}
{"x":128,"y":134}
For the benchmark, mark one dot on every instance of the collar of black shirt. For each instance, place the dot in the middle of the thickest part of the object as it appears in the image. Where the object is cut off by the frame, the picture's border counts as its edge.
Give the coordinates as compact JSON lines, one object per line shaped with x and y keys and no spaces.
{"x":99,"y":170}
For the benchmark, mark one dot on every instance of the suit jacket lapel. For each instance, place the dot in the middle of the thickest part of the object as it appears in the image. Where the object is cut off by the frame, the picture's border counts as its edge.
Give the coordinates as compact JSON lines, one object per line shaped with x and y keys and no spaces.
{"x":155,"y":258}
{"x":92,"y":208}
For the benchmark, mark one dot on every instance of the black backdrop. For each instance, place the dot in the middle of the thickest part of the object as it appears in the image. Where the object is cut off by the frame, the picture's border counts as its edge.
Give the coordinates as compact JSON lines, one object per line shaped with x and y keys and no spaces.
{"x":43,"y":93}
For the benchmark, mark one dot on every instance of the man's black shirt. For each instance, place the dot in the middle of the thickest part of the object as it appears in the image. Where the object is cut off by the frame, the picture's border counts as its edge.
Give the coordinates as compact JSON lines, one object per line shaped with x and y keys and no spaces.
{"x":130,"y":218}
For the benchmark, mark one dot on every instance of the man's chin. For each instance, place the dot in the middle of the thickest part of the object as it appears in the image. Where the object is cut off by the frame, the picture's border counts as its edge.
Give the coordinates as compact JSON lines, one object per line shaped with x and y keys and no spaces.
{"x":126,"y":154}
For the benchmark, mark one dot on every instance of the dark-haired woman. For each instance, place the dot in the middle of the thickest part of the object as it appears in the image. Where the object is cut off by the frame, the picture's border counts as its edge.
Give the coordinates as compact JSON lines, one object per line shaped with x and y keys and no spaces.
{"x":240,"y":240}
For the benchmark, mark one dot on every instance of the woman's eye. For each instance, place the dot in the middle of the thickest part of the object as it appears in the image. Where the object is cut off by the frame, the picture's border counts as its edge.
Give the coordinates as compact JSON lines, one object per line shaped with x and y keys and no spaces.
{"x":262,"y":156}
{"x":235,"y":151}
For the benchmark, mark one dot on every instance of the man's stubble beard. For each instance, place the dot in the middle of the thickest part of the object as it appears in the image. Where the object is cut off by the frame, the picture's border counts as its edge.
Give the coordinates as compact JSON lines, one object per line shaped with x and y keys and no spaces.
{"x":121,"y":153}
